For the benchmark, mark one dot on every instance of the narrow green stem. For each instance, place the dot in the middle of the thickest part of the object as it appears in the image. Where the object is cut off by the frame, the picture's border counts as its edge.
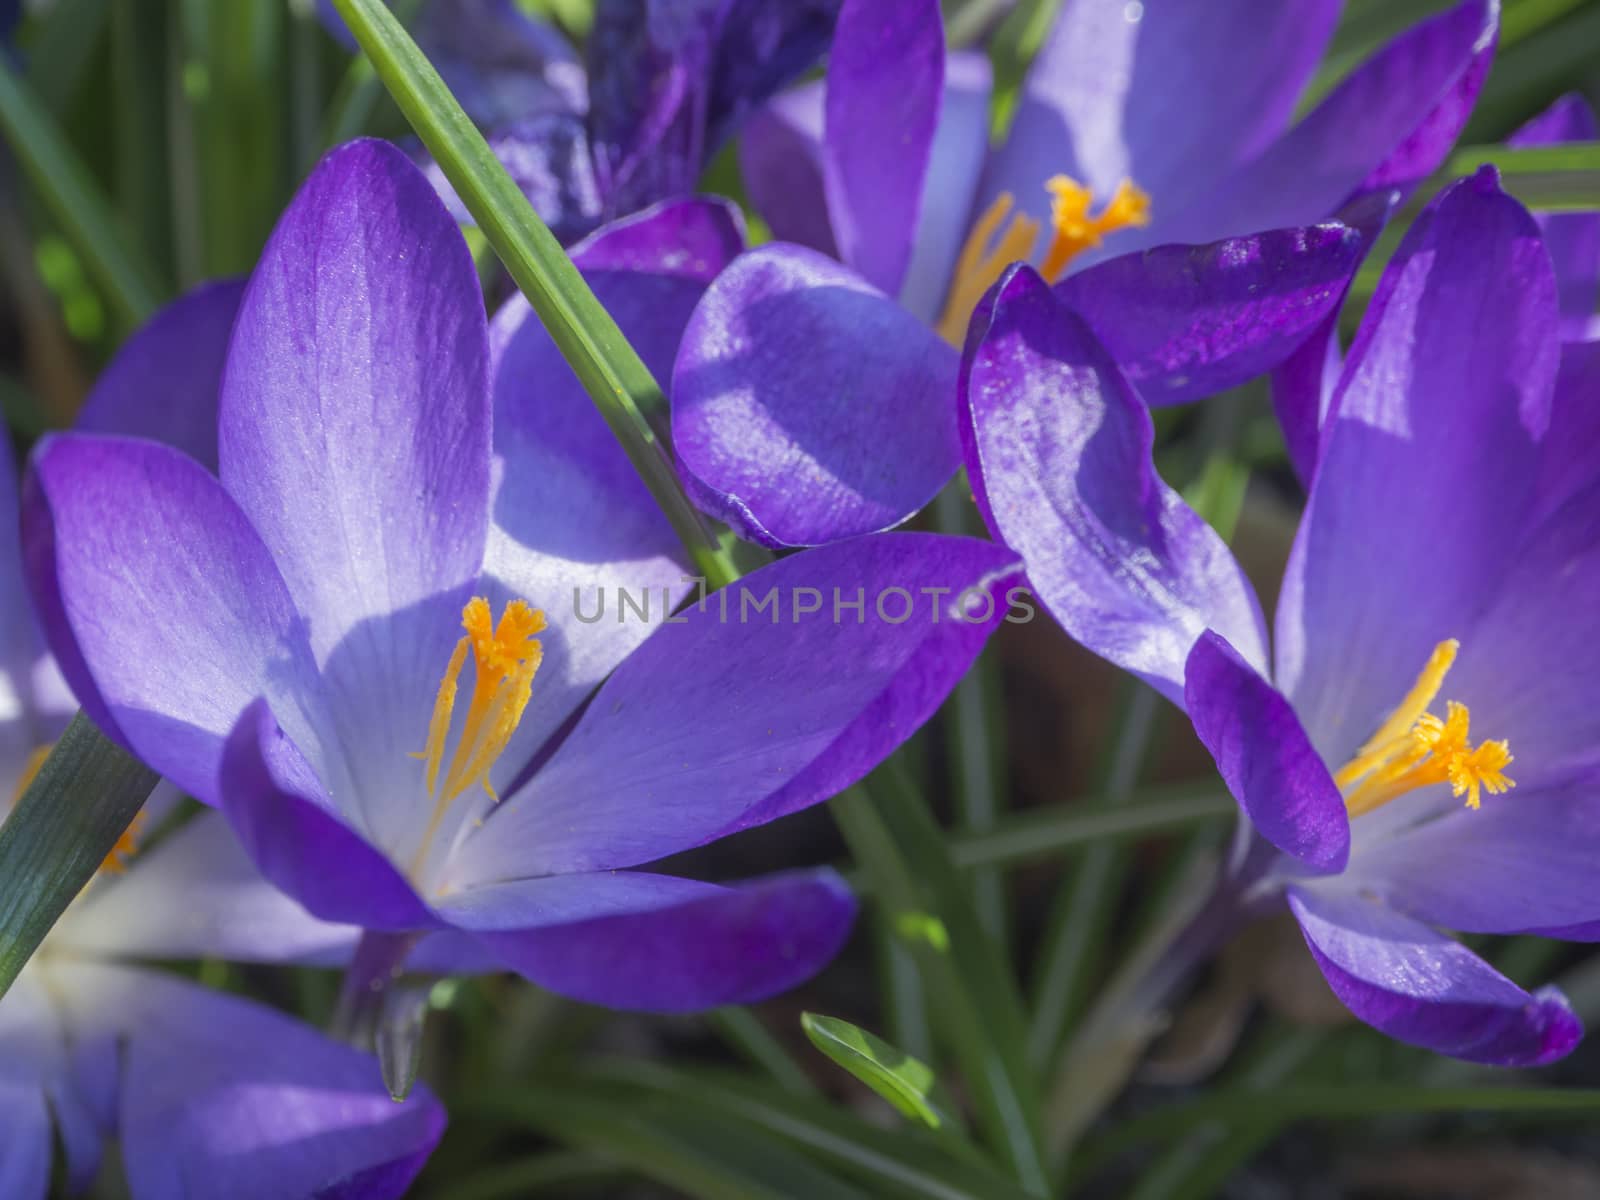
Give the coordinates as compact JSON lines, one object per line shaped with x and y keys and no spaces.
{"x":744,"y":1031}
{"x":67,"y":821}
{"x":618,"y":382}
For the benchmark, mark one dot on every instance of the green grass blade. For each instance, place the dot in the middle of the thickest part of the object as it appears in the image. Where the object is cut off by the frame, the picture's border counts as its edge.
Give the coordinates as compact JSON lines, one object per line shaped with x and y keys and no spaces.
{"x":59,"y":833}
{"x":615,"y":378}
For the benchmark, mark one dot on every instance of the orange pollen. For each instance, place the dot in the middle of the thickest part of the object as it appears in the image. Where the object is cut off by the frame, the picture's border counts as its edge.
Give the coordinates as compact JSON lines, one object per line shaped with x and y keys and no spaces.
{"x":1414,"y":748}
{"x":505,"y":658}
{"x":989,"y":249}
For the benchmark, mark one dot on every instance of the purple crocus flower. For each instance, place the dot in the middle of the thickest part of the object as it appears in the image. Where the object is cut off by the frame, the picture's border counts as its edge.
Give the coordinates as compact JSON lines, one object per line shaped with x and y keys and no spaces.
{"x":335,"y":640}
{"x":195,"y":1085}
{"x":1434,"y":634}
{"x":1163,"y":127}
{"x":667,"y":81}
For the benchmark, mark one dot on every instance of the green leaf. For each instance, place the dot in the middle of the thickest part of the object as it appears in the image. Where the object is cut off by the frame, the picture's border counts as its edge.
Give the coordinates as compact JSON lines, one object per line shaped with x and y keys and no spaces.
{"x":903,"y":1081}
{"x":909,"y":1163}
{"x":67,"y":821}
{"x":74,"y":199}
{"x":901,"y":848}
{"x":676,"y":1144}
{"x":613,"y":374}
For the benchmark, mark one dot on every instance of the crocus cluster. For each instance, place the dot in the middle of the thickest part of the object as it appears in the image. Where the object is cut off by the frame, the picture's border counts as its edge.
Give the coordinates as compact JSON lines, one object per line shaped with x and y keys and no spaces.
{"x":360,"y":568}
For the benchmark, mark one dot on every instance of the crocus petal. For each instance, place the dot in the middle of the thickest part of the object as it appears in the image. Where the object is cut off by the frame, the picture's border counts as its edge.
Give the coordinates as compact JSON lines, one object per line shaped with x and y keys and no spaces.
{"x":158,"y":599}
{"x":164,"y":382}
{"x":1435,"y":424}
{"x":1571,"y":451}
{"x":1416,"y":985}
{"x":288,"y":826}
{"x":1265,"y":757}
{"x":32,"y":1055}
{"x":654,"y":942}
{"x":548,"y":159}
{"x":25,"y":1150}
{"x":355,"y":432}
{"x":1522,"y":863}
{"x":761,"y":45}
{"x":1573,"y":238}
{"x":734,"y":715}
{"x":196,"y":894}
{"x":1527,"y":663}
{"x":1167,"y":93}
{"x":217,"y":1087}
{"x":780,"y":159}
{"x":885,"y":83}
{"x":501,"y":64}
{"x":1302,"y":392}
{"x":794,"y":375}
{"x":950,"y":184}
{"x":1389,"y":124}
{"x":1185,"y":322}
{"x":573,"y":522}
{"x":1059,"y":455}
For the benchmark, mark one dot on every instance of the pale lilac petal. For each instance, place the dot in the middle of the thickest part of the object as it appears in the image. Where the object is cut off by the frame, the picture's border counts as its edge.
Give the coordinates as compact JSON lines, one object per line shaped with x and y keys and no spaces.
{"x":1416,"y":985}
{"x":573,"y":522}
{"x":355,"y":432}
{"x":158,"y":599}
{"x":1573,"y":238}
{"x":1571,"y":451}
{"x":885,"y":84}
{"x":196,"y":894}
{"x":164,"y":382}
{"x":1528,"y":661}
{"x":955,"y":165}
{"x":739,"y":715}
{"x":289,"y":827}
{"x":1168,"y":93}
{"x":25,"y":1149}
{"x":1302,"y":392}
{"x":217,"y":1087}
{"x":1435,"y":427}
{"x":1186,"y":322}
{"x":1059,"y":455}
{"x":780,"y":158}
{"x":793,"y":377}
{"x":1522,"y":863}
{"x":1265,"y":758}
{"x":632,"y":940}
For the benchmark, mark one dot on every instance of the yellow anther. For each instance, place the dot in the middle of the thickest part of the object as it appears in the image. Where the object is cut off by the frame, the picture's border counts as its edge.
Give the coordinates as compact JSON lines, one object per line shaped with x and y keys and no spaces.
{"x":985,"y":256}
{"x":981,"y":264}
{"x":127,"y":846}
{"x":1076,"y":231}
{"x":505,"y":658}
{"x":1414,"y":748}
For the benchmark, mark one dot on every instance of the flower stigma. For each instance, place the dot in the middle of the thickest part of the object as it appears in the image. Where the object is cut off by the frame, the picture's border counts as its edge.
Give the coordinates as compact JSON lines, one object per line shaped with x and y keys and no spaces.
{"x":990,"y":249}
{"x":1414,"y":748}
{"x":505,"y":658}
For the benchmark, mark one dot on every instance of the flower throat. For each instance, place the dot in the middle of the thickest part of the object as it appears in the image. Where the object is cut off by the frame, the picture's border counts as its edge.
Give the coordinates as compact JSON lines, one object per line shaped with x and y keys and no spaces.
{"x":1414,"y":748}
{"x":985,"y":256}
{"x":505,"y":658}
